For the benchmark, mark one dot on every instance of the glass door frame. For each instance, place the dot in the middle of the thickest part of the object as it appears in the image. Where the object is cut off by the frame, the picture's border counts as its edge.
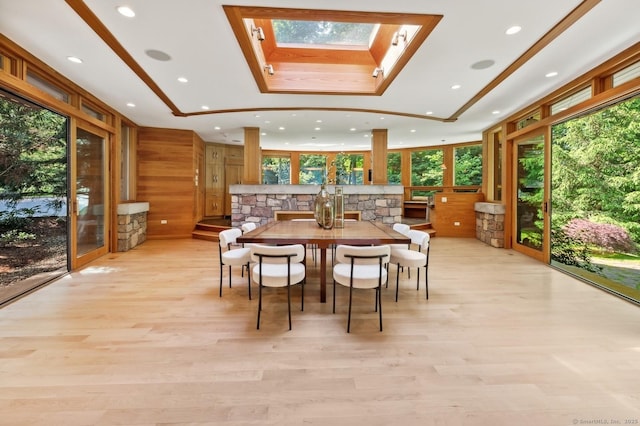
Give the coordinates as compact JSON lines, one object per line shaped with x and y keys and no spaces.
{"x":75,"y":259}
{"x":543,"y":254}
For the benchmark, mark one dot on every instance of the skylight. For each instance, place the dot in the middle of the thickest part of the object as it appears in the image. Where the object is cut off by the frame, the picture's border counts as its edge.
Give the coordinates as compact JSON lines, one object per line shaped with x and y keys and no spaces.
{"x":323,"y":33}
{"x":327,"y":51}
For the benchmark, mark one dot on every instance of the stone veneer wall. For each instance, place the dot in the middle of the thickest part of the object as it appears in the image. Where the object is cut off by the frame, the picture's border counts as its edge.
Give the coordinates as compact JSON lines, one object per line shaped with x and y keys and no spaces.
{"x":490,"y":223}
{"x":132,"y":225}
{"x":132,"y":230}
{"x":375,"y":202}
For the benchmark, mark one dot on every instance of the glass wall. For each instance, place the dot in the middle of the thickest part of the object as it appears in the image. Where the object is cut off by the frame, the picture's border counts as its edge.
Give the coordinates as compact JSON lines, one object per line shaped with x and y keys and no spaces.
{"x":595,"y":188}
{"x":33,"y":195}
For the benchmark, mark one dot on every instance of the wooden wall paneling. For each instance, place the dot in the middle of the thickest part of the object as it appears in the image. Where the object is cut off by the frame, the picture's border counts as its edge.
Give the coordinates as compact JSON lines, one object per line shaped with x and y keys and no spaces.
{"x":252,"y":172}
{"x":198,"y":178}
{"x":166,"y":181}
{"x":214,"y":180}
{"x":379,"y":156}
{"x":459,"y":208}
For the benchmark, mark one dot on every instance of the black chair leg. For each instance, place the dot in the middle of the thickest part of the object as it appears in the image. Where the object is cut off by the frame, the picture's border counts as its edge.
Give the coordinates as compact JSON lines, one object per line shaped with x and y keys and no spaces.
{"x":380,"y":303}
{"x":334,"y":296}
{"x":229,"y":276}
{"x":397,"y":281}
{"x":259,"y":302}
{"x":249,"y":280}
{"x":349,"y":317}
{"x":426,"y":280}
{"x":289,"y":304}
{"x":221,"y":268}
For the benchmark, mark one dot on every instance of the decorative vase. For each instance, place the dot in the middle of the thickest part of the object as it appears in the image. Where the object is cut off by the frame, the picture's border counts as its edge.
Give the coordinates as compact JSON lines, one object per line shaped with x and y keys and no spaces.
{"x":338,"y":203}
{"x":323,"y":208}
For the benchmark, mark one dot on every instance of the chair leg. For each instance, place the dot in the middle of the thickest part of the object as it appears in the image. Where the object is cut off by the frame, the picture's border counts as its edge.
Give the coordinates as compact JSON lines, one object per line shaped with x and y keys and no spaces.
{"x":334,"y":296}
{"x":426,"y":280}
{"x":229,"y":276}
{"x":249,"y":279}
{"x":397,"y":281}
{"x":302,"y":297}
{"x":349,"y":317}
{"x":289,"y":303}
{"x":418,"y":280}
{"x":259,"y":301}
{"x":221,"y":268}
{"x":379,"y":289}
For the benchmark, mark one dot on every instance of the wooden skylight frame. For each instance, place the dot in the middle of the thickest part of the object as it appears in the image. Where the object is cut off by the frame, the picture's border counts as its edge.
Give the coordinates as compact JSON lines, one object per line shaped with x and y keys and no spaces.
{"x":329,"y":69}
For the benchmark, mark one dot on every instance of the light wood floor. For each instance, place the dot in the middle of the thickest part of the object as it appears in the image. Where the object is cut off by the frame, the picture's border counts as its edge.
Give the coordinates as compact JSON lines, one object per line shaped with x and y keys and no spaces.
{"x":142,"y":338}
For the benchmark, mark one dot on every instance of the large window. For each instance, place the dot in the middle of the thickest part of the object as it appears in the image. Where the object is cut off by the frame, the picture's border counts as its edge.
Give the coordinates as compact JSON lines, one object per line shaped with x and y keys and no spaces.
{"x":313,"y":169}
{"x":276,"y":170}
{"x":394,"y":168}
{"x":596,"y":198}
{"x":33,"y":195}
{"x":468,"y":165}
{"x":349,"y":169}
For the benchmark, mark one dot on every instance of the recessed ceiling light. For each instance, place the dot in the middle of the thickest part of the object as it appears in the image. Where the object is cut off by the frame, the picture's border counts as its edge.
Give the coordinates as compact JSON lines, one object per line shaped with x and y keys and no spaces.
{"x":317,"y":128}
{"x":513,"y":30}
{"x":183,"y":80}
{"x":456,"y":86}
{"x":158,"y":55}
{"x":74,"y":59}
{"x":413,"y":130}
{"x":551,"y":74}
{"x":318,"y":121}
{"x":216,"y":127}
{"x":381,"y":118}
{"x":495,"y":112}
{"x":126,"y":11}
{"x":131,"y":104}
{"x":429,"y":113}
{"x":280,"y":128}
{"x":267,"y":121}
{"x":353,"y":129}
{"x":205,"y":107}
{"x":263,"y":134}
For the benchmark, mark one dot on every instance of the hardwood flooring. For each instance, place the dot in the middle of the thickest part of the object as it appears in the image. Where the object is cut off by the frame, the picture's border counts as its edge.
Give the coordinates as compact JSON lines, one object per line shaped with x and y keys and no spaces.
{"x":142,"y":338}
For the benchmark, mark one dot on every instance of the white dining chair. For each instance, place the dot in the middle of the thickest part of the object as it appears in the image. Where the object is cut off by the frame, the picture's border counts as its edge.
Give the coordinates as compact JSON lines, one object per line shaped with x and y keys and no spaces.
{"x":403,"y":257}
{"x":230,"y":256}
{"x":278,"y":266}
{"x":360,"y":267}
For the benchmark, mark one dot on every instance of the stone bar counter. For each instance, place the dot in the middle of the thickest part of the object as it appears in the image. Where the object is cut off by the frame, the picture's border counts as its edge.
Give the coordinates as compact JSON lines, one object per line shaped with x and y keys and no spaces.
{"x":257,"y":203}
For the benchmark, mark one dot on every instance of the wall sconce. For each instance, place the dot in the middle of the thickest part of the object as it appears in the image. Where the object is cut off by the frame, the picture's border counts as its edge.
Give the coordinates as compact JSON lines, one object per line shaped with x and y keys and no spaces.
{"x":259,"y":33}
{"x":378,"y":71}
{"x":397,"y":36}
{"x":269,"y":68}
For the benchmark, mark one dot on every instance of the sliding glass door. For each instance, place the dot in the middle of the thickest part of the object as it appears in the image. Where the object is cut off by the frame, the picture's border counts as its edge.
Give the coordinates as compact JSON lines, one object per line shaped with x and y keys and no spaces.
{"x":90,"y":207}
{"x":529,"y":197}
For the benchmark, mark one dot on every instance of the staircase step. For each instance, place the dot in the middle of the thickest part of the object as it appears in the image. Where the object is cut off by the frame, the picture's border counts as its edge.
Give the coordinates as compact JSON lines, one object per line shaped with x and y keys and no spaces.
{"x":204,"y":235}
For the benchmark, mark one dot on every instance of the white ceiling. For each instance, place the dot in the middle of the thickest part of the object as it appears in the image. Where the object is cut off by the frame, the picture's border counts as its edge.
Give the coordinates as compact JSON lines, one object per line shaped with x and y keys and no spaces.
{"x":197,"y":36}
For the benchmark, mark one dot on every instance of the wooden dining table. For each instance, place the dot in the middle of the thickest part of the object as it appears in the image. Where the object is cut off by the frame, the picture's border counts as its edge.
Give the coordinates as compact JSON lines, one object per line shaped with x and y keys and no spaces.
{"x":308,"y":232}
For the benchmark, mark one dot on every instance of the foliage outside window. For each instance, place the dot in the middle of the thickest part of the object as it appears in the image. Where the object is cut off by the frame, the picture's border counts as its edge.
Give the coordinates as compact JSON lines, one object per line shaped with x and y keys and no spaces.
{"x":349,"y":169}
{"x":394,"y":168}
{"x":468,"y":165}
{"x":276,"y":170}
{"x":313,"y":169}
{"x":426,"y":170}
{"x":33,"y":192}
{"x":426,"y":167}
{"x":595,"y":188}
{"x":322,"y":32}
